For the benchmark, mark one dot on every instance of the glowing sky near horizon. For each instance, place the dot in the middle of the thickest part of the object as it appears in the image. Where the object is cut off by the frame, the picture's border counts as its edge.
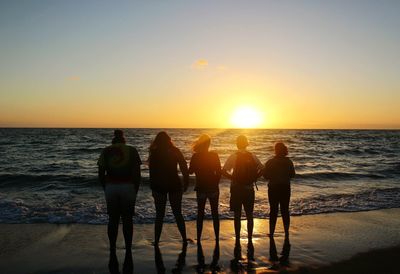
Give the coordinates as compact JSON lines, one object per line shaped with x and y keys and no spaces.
{"x":302,"y":64}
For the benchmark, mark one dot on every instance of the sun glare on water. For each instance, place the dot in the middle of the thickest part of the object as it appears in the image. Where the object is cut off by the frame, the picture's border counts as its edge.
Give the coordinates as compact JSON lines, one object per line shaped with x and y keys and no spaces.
{"x":246,"y":117}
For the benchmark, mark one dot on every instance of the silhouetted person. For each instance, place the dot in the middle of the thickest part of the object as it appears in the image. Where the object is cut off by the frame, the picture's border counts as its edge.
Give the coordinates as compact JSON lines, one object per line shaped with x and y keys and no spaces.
{"x":245,"y":168}
{"x":119,"y":174}
{"x":207,"y":167}
{"x":164,"y":158}
{"x":278,"y":171}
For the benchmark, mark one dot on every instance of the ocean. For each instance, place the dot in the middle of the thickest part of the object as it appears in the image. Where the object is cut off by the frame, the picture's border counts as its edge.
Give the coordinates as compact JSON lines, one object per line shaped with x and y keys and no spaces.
{"x":50,"y":175}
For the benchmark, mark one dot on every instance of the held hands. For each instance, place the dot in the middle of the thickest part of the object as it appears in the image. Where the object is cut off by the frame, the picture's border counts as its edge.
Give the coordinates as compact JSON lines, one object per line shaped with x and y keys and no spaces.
{"x":185,"y":184}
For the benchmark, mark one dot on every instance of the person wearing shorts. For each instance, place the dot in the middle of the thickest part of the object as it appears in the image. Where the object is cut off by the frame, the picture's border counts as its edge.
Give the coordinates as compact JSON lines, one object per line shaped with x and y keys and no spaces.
{"x":242,"y":194}
{"x":164,"y":158}
{"x":119,"y":174}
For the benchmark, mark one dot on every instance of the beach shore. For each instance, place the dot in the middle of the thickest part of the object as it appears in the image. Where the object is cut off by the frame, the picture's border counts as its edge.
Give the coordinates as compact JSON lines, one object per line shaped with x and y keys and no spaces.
{"x":324,"y":243}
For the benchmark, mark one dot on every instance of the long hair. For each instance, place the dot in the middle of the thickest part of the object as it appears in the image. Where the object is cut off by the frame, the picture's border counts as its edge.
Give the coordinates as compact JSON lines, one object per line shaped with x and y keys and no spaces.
{"x":281,"y":149}
{"x":202,"y":143}
{"x":161,"y":141}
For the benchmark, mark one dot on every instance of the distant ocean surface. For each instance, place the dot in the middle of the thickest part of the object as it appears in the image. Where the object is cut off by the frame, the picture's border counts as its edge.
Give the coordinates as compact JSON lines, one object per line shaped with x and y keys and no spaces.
{"x":50,"y":175}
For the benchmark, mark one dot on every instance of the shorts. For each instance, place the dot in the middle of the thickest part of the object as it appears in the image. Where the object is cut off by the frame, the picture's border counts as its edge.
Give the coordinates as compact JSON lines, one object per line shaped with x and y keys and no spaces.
{"x":242,"y":196}
{"x":120,"y":198}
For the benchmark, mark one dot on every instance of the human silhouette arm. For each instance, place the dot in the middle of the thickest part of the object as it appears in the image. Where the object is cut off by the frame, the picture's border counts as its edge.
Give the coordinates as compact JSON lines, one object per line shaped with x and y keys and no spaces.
{"x":228,"y":166}
{"x":102,"y":176}
{"x":260,"y":166}
{"x":102,"y":170}
{"x":192,"y":164}
{"x":218,"y":171}
{"x":292,"y":171}
{"x":266,"y":170}
{"x":137,"y":177}
{"x":184,"y":169}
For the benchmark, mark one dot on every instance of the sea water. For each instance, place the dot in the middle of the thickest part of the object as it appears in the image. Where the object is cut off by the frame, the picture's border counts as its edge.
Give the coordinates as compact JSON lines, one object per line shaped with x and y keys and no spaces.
{"x":50,"y":175}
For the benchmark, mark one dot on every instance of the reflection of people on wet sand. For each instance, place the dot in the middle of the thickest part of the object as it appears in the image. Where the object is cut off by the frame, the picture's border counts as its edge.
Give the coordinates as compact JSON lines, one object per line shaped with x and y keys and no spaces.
{"x":273,"y":254}
{"x":119,"y":174}
{"x":245,"y":168}
{"x":279,"y":170}
{"x":201,"y":266}
{"x":180,"y":262}
{"x":164,"y":182}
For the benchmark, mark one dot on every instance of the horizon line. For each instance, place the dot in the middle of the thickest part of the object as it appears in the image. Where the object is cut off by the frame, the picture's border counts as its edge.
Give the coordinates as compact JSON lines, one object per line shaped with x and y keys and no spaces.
{"x":211,"y":128}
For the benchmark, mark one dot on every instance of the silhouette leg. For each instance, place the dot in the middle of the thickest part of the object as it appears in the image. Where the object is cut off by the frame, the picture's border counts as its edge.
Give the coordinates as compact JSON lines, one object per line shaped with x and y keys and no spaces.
{"x":237,"y":224}
{"x":284,"y":259}
{"x":201,"y":202}
{"x":214,"y":264}
{"x":127,"y":227}
{"x":181,"y":259}
{"x":285,"y":219}
{"x":160,"y":200}
{"x":200,"y":258}
{"x":112,"y":232}
{"x":237,"y":252}
{"x":215,"y":216}
{"x":159,"y":260}
{"x":273,"y":255}
{"x":250,"y":225}
{"x":112,"y":229}
{"x":273,"y":213}
{"x":284,"y":204}
{"x":175,"y":199}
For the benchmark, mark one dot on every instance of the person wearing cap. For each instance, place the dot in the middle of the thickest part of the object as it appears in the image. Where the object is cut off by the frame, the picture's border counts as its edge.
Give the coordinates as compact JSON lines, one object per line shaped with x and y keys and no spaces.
{"x":119,"y":174}
{"x":243,"y":168}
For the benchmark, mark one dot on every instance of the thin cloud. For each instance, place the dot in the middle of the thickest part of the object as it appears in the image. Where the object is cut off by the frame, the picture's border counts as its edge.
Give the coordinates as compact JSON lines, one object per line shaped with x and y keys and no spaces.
{"x":74,"y":78}
{"x":200,"y":64}
{"x":221,"y":68}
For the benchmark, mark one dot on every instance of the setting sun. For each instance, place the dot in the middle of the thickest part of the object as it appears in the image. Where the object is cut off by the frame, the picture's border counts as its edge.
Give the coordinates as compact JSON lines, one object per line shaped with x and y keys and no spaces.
{"x":246,"y":117}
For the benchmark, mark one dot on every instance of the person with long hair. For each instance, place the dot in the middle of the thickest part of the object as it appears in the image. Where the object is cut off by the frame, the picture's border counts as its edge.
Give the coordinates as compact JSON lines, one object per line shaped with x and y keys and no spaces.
{"x":164,"y":158}
{"x":207,"y":168}
{"x":119,"y":174}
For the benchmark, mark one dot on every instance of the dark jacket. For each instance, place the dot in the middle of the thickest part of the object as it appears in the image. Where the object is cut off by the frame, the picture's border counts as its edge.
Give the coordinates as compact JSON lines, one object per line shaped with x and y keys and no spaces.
{"x":207,"y":167}
{"x":279,"y":171}
{"x":120,"y":163}
{"x":163,"y":170}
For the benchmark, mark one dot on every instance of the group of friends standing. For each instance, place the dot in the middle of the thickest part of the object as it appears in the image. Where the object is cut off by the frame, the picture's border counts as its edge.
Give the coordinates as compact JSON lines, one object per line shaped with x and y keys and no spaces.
{"x":119,"y":173}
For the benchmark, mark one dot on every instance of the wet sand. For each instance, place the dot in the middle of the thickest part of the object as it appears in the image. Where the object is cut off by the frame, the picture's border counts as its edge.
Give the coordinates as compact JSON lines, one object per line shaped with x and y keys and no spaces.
{"x":324,"y":243}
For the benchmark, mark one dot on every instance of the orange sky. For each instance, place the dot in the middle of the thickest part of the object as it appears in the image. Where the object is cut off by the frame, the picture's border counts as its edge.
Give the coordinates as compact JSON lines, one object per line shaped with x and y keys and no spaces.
{"x":153,"y":65}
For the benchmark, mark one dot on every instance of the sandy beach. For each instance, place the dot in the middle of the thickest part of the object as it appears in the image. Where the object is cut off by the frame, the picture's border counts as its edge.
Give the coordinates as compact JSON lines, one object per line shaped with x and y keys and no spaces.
{"x":318,"y":243}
